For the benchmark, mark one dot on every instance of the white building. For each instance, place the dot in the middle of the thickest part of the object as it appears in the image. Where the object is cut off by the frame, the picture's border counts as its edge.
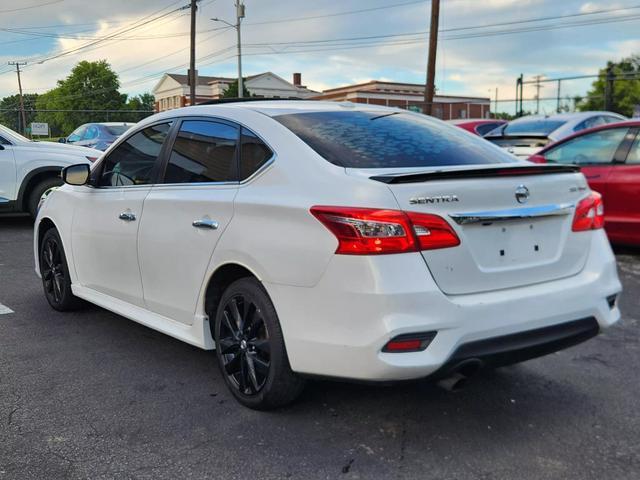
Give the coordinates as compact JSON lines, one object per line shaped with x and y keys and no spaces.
{"x":172,"y":91}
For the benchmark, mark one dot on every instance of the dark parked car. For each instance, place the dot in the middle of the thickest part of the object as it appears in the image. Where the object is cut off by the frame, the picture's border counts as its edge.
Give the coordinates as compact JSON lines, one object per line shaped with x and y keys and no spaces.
{"x":97,"y":135}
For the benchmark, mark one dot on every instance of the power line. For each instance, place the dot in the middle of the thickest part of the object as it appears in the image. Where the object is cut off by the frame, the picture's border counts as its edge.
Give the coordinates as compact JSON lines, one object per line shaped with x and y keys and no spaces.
{"x":541,"y":19}
{"x":140,"y":23}
{"x":31,"y":6}
{"x":338,"y":14}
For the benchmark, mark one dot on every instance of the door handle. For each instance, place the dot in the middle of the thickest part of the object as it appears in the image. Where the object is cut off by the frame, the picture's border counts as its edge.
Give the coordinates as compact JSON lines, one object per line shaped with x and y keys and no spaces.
{"x":592,"y":176}
{"x":205,"y":223}
{"x":127,"y":216}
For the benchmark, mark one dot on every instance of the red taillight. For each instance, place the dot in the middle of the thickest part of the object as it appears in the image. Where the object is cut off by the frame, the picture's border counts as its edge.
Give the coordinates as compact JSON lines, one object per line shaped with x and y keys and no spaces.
{"x":92,"y":159}
{"x":589,"y":213}
{"x":366,"y":231}
{"x":432,"y":231}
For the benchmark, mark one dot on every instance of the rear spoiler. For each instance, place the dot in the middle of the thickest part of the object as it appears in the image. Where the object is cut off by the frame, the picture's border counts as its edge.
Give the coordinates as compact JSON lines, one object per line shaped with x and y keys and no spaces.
{"x":415,"y":177}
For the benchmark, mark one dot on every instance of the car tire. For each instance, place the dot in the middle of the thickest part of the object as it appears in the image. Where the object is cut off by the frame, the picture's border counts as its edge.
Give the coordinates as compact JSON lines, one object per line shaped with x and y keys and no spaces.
{"x":55,"y":273}
{"x":250,"y":348}
{"x":41,"y":188}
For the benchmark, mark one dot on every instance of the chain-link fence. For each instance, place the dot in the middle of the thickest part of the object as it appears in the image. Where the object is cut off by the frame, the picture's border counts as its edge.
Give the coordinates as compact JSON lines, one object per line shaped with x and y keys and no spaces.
{"x":62,"y":122}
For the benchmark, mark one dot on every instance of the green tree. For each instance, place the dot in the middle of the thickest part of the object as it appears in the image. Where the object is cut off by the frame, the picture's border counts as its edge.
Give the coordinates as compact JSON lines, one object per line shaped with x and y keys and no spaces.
{"x":232,"y":90}
{"x":626,"y":88}
{"x":10,"y":110}
{"x":145,"y":102}
{"x":89,"y":86}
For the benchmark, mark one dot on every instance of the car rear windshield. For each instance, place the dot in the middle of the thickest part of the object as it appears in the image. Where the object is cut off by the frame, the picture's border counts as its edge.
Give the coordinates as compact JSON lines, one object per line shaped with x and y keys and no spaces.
{"x":538,"y":127}
{"x":117,"y":129}
{"x":366,"y":139}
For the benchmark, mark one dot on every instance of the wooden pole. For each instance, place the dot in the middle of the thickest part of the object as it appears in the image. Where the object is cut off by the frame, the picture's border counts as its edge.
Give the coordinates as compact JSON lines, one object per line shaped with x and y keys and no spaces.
{"x":429,"y":90}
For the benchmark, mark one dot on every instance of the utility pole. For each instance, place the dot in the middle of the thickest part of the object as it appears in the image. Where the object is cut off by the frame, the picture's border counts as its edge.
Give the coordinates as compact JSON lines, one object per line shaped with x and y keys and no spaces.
{"x":192,"y":57}
{"x":519,"y":93}
{"x":24,"y":118}
{"x":608,"y":88}
{"x":239,"y":17}
{"x":558,"y":103}
{"x":496,"y":107}
{"x":431,"y":62}
{"x":240,"y":14}
{"x":538,"y":87}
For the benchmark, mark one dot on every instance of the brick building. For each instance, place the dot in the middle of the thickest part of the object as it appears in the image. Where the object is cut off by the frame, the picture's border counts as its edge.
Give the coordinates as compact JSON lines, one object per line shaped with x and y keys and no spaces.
{"x":409,"y":96}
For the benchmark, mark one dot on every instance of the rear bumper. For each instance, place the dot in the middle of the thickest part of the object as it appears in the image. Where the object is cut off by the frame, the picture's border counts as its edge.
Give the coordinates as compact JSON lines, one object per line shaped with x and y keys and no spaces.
{"x":519,"y":347}
{"x":338,"y":327}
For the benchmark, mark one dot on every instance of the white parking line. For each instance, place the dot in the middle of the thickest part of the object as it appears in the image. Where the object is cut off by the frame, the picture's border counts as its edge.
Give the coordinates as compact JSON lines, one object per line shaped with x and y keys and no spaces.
{"x":4,"y":309}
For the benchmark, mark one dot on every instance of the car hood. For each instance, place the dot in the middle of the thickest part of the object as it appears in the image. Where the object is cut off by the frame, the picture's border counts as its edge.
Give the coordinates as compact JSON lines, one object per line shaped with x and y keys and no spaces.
{"x":62,"y":148}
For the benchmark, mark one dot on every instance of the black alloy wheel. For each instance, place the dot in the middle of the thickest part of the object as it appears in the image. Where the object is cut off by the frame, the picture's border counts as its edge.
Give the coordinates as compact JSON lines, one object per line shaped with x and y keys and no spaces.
{"x":250,"y":347}
{"x":244,"y":342}
{"x":55,"y":273}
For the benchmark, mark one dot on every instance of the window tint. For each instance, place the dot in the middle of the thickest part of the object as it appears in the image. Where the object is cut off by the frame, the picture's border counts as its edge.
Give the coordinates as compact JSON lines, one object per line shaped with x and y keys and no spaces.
{"x":204,"y":151}
{"x":254,"y":154}
{"x":365,"y":139}
{"x":610,"y":119}
{"x":590,"y":123}
{"x":131,"y":163}
{"x":634,"y":153}
{"x":592,"y":148}
{"x":4,"y":141}
{"x":117,"y":129}
{"x":77,"y":134}
{"x":91,"y":133}
{"x":485,"y":128}
{"x":537,"y":126}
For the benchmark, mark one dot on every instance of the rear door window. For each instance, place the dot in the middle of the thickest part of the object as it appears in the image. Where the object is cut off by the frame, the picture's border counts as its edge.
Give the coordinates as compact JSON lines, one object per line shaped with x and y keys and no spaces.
{"x":204,"y":151}
{"x":379,"y":139}
{"x":254,"y":154}
{"x":590,"y":149}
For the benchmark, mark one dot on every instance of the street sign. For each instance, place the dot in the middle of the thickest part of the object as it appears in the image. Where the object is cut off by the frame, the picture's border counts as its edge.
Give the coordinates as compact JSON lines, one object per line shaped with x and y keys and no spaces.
{"x":40,"y":129}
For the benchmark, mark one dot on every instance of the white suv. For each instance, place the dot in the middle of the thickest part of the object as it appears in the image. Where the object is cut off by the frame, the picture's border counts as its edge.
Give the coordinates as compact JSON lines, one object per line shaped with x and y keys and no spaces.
{"x":310,"y":238}
{"x":29,"y":170}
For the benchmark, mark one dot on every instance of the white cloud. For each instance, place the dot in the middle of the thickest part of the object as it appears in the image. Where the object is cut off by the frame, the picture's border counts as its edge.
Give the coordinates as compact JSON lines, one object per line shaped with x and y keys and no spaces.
{"x":471,"y":66}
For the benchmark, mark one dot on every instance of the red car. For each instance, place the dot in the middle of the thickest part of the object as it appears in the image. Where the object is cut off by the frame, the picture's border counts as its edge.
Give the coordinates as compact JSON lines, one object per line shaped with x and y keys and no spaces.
{"x":479,"y":126}
{"x":609,"y":156}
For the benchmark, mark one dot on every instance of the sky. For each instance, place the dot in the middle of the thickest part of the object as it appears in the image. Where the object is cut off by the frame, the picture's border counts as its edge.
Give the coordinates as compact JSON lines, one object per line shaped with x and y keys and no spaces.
{"x":331,"y":42}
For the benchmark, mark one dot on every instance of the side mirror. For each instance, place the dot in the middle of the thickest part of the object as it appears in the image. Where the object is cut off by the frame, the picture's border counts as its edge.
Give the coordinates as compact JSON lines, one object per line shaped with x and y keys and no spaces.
{"x":76,"y":174}
{"x":62,"y":140}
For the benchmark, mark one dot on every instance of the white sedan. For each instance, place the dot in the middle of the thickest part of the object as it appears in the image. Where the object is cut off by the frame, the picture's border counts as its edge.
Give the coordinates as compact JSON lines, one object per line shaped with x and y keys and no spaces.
{"x":326,"y":239}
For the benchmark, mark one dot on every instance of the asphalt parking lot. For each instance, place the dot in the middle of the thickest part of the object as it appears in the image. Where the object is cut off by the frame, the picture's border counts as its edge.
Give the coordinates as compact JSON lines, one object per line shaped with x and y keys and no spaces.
{"x":92,"y":395}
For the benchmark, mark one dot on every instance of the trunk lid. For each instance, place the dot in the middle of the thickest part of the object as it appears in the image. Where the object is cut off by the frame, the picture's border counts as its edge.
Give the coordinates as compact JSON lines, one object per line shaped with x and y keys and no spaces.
{"x":514,"y":222}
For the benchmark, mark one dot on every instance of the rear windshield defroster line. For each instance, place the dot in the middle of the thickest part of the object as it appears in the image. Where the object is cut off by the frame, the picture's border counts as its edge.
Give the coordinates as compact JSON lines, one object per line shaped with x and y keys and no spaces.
{"x":369,"y":139}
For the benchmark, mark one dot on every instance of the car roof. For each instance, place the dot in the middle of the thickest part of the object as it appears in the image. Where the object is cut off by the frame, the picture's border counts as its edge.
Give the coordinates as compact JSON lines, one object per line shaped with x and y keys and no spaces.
{"x":608,"y":126}
{"x":566,"y":116}
{"x":278,"y":107}
{"x":471,"y":121}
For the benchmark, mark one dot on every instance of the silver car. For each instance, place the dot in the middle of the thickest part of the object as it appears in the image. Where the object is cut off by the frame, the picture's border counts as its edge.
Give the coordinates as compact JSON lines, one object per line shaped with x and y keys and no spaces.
{"x":525,"y":136}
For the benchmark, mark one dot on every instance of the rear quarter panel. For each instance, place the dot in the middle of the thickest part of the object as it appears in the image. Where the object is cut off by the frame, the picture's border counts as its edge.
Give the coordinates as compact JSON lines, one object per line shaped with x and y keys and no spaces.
{"x":272,"y":232}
